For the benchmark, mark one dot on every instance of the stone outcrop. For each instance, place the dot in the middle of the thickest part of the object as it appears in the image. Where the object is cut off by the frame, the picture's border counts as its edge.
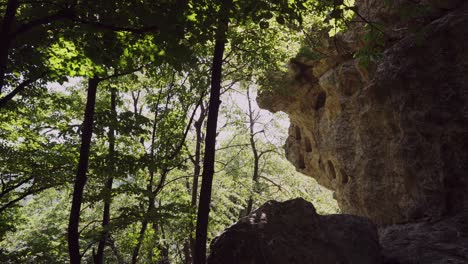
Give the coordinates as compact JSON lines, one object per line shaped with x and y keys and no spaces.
{"x":390,"y":139}
{"x":292,"y":232}
{"x":429,"y":242}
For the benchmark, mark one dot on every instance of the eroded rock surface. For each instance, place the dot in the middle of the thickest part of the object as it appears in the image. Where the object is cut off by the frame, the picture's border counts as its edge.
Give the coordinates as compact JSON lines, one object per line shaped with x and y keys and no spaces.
{"x":429,"y":242}
{"x":391,"y":139}
{"x":292,"y":232}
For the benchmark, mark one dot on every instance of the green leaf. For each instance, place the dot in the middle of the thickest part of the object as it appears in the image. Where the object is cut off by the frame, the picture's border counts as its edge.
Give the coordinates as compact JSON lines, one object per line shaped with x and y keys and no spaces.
{"x":192,"y":17}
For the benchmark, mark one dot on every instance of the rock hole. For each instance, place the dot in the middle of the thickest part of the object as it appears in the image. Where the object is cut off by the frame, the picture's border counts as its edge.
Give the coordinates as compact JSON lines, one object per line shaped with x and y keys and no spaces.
{"x":301,"y":162}
{"x":344,"y":177}
{"x":320,"y":101}
{"x":308,"y":146}
{"x":331,"y":169}
{"x":298,"y":133}
{"x":320,"y":163}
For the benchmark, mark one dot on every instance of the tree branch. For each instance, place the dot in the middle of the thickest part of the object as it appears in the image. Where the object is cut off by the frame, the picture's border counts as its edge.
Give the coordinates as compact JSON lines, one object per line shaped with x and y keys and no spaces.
{"x":42,"y":21}
{"x":15,"y":91}
{"x":70,"y":15}
{"x":272,"y":182}
{"x":22,"y":196}
{"x":11,"y":188}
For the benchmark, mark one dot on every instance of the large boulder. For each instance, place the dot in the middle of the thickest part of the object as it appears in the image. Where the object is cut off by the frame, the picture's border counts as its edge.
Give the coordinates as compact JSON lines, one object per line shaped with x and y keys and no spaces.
{"x":389,"y":139}
{"x":434,"y":241}
{"x":292,"y":232}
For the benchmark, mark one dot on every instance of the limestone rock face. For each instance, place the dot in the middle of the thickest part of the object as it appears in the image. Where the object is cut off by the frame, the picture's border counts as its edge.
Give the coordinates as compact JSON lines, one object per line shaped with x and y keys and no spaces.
{"x":391,"y":139}
{"x":292,"y":232}
{"x":429,"y":242}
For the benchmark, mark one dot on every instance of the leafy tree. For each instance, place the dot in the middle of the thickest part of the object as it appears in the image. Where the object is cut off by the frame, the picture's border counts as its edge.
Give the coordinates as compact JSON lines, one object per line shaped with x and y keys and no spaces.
{"x":242,"y":12}
{"x":141,"y":71}
{"x":37,"y":146}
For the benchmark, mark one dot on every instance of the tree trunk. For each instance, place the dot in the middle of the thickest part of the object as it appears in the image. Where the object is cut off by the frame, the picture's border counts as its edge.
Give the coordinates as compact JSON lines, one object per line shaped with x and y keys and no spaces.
{"x":99,"y":258}
{"x":163,"y":249}
{"x":197,"y":168}
{"x":80,"y":180}
{"x":144,"y":226}
{"x":189,"y":248}
{"x":210,"y":140}
{"x":5,"y":30}
{"x":149,"y":187}
{"x":255,"y":153}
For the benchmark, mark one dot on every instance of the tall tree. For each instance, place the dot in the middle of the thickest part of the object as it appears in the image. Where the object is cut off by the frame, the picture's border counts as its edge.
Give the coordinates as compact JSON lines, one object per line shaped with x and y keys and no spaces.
{"x":81,"y":178}
{"x":210,"y":139}
{"x":99,"y":257}
{"x":245,"y":12}
{"x":170,"y":108}
{"x":152,"y":172}
{"x":196,"y":158}
{"x":81,"y":174}
{"x":253,"y":145}
{"x":5,"y":30}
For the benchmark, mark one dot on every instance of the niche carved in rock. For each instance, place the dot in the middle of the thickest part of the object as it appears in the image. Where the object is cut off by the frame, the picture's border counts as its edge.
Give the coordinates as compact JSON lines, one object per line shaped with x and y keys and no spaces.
{"x":320,"y":101}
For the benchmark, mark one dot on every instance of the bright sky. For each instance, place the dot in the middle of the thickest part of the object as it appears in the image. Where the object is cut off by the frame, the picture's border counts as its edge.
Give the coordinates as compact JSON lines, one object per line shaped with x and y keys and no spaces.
{"x":275,"y":126}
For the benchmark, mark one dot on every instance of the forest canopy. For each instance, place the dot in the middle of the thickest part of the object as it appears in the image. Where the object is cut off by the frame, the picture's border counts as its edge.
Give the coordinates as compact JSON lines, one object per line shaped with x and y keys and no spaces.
{"x":129,"y":131}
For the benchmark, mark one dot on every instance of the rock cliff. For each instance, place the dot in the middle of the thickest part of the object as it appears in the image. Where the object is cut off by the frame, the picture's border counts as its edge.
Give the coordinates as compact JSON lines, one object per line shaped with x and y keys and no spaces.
{"x":390,"y":139}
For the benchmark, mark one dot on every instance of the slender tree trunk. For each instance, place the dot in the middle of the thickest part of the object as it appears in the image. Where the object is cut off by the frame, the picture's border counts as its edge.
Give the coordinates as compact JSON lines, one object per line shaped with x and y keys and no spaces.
{"x":255,"y":153}
{"x":99,"y":258}
{"x":118,"y":256}
{"x":163,"y":250}
{"x":149,"y":214}
{"x":144,"y":226}
{"x":149,"y":187}
{"x":210,"y":140}
{"x":189,"y":248}
{"x":155,"y":239}
{"x":254,"y":184}
{"x":5,"y":30}
{"x":80,"y":180}
{"x":198,"y":143}
{"x":188,"y":251}
{"x":161,"y":246}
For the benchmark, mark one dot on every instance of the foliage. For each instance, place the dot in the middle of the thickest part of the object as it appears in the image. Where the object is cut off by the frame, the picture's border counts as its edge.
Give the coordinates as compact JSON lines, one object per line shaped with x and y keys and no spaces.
{"x":153,"y":59}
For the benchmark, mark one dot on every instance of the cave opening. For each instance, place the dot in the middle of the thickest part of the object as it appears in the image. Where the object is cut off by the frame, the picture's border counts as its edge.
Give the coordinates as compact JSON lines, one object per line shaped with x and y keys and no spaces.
{"x":344,"y":176}
{"x":331,"y":169}
{"x":320,"y":101}
{"x":301,"y":162}
{"x":298,"y":133}
{"x":308,"y":145}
